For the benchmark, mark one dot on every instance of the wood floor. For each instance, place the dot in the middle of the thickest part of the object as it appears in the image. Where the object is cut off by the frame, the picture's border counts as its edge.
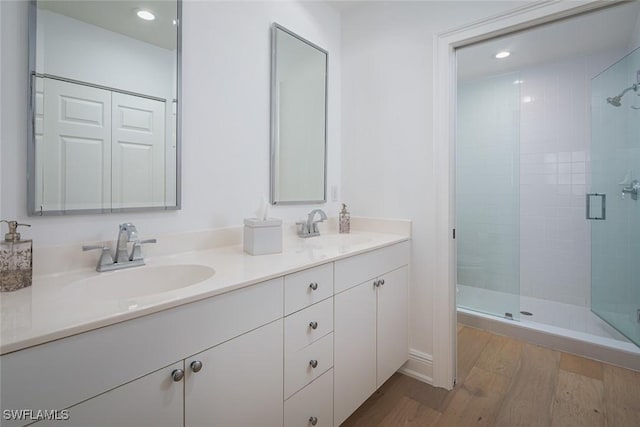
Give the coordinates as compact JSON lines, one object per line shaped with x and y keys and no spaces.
{"x":505,"y":382}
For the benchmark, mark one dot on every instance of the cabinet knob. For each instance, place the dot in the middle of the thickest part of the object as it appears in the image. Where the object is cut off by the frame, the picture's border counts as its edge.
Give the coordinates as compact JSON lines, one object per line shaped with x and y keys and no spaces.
{"x":196,"y":365}
{"x":313,"y":325}
{"x":313,"y":420}
{"x":177,"y":375}
{"x":313,"y":363}
{"x":313,"y":286}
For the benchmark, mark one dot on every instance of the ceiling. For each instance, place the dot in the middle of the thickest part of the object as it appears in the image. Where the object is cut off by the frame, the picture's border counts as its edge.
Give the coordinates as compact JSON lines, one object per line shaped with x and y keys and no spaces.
{"x":589,"y":33}
{"x":120,"y":17}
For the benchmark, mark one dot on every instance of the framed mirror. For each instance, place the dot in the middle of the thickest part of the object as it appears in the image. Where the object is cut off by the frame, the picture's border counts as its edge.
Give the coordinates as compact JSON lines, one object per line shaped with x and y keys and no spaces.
{"x":104,"y":111}
{"x":298,"y":119}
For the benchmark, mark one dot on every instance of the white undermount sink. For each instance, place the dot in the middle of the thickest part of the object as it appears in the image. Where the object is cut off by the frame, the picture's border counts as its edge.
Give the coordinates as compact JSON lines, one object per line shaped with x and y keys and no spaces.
{"x":141,"y":281}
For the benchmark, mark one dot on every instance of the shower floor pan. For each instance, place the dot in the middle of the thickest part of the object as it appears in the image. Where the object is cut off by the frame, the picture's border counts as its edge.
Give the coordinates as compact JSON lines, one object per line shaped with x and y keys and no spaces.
{"x":564,"y":327}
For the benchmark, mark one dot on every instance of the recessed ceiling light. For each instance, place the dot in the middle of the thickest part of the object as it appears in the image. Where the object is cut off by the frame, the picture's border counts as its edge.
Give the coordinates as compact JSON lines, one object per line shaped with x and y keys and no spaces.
{"x":518,"y":82}
{"x":503,"y":54}
{"x":146,"y":15}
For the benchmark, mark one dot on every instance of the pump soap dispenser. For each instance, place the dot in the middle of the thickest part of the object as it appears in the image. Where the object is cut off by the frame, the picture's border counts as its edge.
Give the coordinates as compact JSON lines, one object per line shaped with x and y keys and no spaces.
{"x":344,"y":220}
{"x":16,"y":259}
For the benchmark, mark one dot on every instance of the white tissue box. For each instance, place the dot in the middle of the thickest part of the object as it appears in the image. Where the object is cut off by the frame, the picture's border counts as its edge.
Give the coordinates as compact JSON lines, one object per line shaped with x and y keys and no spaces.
{"x":262,"y":237}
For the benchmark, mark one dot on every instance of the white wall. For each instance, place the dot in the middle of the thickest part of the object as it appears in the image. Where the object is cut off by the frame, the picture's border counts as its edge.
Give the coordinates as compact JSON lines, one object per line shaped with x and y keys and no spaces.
{"x":388,"y":150}
{"x":80,"y":51}
{"x":226,"y":66}
{"x":2,"y":50}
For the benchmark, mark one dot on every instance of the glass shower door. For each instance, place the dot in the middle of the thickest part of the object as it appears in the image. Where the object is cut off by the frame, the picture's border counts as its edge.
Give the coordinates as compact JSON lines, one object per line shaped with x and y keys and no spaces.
{"x":488,"y":195}
{"x":615,"y":171}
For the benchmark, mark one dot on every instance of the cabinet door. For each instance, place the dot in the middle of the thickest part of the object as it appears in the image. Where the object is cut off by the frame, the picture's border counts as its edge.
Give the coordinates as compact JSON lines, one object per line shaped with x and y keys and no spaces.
{"x":240,"y":382}
{"x":355,"y":349}
{"x":153,"y":400}
{"x":393,"y":335}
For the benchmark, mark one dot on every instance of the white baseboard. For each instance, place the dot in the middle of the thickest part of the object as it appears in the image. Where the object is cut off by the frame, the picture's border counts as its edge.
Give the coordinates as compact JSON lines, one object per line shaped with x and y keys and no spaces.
{"x":419,"y":366}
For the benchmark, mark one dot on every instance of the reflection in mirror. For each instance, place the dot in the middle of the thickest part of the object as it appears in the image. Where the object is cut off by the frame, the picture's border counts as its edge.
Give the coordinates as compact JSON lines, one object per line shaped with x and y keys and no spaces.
{"x":104,"y":114}
{"x":298,"y":119}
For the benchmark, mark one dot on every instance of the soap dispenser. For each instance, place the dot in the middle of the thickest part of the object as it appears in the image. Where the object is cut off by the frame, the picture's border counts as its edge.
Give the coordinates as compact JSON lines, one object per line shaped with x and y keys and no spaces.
{"x":344,"y":220}
{"x":16,"y":259}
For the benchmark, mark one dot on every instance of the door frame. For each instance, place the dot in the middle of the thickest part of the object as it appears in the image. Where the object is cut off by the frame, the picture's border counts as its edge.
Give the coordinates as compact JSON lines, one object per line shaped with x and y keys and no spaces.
{"x":444,"y":90}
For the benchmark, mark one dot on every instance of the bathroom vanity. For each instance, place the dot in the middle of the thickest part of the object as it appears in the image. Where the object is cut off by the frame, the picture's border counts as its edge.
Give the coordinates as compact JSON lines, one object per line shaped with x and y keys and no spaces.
{"x":295,"y":339}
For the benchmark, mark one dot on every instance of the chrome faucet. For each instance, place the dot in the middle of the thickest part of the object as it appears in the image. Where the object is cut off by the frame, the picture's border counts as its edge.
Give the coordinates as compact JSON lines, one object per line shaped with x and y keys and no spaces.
{"x":310,"y":228}
{"x":127,"y":233}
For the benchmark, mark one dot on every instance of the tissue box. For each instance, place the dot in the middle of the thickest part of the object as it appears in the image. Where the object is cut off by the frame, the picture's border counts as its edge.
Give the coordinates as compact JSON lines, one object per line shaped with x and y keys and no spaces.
{"x":262,"y":237}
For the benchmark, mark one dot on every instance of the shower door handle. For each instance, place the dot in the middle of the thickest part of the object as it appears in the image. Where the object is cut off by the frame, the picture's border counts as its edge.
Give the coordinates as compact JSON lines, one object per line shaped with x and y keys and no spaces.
{"x":596,"y":206}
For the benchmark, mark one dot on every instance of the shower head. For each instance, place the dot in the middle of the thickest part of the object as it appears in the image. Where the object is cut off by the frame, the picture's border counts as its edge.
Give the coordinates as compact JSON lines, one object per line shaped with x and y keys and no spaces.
{"x":616,"y":100}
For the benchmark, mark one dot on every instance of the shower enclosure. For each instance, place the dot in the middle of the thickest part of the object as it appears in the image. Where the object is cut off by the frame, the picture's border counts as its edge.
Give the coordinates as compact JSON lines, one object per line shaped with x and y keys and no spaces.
{"x":487,"y":196}
{"x":595,"y":187}
{"x":615,"y":171}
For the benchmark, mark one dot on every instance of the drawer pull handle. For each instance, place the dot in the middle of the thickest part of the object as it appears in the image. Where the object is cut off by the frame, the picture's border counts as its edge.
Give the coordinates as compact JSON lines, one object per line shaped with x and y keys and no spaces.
{"x":313,"y":325}
{"x":376,"y":283}
{"x":382,"y":282}
{"x":313,"y":286}
{"x":177,"y":375}
{"x":313,"y":420}
{"x":196,"y":366}
{"x":313,"y":363}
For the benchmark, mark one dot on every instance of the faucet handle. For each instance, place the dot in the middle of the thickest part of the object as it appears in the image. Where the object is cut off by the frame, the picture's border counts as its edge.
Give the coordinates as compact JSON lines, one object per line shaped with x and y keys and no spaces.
{"x":93,"y":247}
{"x":136,"y":252}
{"x":302,"y":228}
{"x":105,"y":255}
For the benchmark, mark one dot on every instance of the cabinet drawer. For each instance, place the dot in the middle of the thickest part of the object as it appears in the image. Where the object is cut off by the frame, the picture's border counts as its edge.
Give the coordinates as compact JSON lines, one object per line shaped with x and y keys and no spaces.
{"x":298,"y":289}
{"x":298,"y":331}
{"x":352,"y":271}
{"x":298,"y":371}
{"x":315,"y":400}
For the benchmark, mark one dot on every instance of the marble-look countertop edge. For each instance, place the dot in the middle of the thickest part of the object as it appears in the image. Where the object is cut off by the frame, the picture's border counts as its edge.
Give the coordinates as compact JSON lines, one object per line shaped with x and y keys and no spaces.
{"x":28,"y":341}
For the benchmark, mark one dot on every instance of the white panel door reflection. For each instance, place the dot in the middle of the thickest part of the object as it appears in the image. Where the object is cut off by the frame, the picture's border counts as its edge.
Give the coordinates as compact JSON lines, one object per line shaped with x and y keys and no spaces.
{"x":138,"y":151}
{"x":98,"y":149}
{"x":76,"y":166}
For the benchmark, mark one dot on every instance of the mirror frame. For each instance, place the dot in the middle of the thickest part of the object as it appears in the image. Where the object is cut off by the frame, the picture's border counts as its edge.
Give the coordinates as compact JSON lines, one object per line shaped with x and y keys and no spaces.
{"x":32,"y":210}
{"x":274,"y":123}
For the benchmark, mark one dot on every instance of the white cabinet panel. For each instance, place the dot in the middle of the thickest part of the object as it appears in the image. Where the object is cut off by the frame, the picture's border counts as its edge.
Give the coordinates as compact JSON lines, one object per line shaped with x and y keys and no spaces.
{"x":298,"y":328}
{"x":355,"y":349}
{"x":153,"y":400}
{"x":352,"y":271}
{"x":299,"y":370}
{"x":393,"y":335}
{"x":81,"y":366}
{"x":313,"y":401}
{"x":240,"y":383}
{"x":307,"y":287}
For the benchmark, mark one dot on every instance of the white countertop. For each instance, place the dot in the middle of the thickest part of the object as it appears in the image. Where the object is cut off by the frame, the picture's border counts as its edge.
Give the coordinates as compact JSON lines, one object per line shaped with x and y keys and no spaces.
{"x":53,"y":308}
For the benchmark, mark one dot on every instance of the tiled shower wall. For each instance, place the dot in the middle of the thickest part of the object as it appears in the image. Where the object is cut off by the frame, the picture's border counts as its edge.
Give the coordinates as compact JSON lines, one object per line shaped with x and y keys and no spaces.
{"x":554,"y":126}
{"x":555,"y":138}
